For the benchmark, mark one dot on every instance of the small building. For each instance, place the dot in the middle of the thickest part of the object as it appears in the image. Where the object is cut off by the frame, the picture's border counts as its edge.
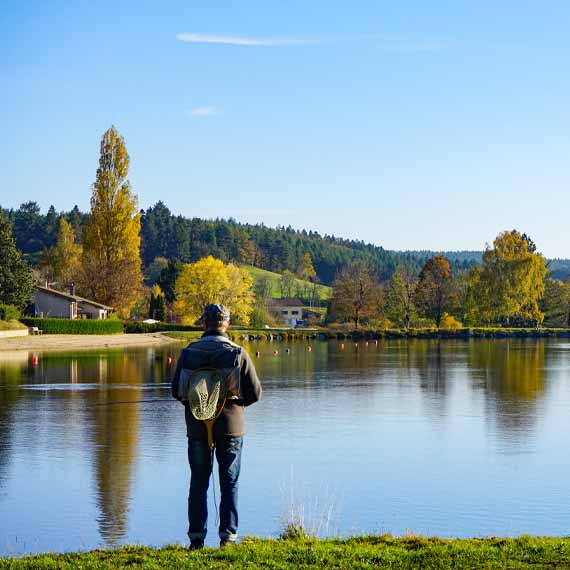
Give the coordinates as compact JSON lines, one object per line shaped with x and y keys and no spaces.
{"x":54,"y":304}
{"x":288,"y":311}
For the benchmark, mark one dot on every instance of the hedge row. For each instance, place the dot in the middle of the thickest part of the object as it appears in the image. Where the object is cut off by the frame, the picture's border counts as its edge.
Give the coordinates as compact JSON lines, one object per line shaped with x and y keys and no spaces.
{"x":133,"y":327}
{"x":76,"y":326}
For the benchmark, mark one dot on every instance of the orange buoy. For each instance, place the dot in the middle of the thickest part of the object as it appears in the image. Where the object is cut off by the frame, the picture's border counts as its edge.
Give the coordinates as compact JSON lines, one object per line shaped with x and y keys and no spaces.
{"x":275,"y":353}
{"x":169,"y":360}
{"x":366,"y":343}
{"x":342,"y":345}
{"x":309,"y":348}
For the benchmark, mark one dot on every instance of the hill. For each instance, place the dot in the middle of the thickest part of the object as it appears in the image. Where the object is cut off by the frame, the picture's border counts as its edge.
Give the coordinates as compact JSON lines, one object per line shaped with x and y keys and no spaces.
{"x":274,"y":286}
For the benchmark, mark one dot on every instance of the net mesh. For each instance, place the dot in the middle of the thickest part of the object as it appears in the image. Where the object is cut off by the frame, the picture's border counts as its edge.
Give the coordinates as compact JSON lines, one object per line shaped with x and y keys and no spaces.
{"x":206,"y":394}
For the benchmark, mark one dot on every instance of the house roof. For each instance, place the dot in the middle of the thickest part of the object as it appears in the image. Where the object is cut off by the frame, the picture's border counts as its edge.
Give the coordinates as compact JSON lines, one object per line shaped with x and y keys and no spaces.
{"x":275,"y":303}
{"x":74,"y":298}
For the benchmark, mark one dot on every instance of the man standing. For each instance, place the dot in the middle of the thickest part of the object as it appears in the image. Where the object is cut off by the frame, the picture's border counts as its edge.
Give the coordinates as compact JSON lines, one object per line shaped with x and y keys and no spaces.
{"x":215,"y":352}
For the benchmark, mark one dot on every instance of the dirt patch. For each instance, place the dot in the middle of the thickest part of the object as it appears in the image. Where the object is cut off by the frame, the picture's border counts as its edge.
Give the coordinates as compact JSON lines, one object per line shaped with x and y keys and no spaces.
{"x":72,"y":342}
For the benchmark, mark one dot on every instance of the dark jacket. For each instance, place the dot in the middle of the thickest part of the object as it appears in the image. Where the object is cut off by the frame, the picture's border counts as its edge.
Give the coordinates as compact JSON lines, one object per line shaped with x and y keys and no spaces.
{"x":231,"y":421}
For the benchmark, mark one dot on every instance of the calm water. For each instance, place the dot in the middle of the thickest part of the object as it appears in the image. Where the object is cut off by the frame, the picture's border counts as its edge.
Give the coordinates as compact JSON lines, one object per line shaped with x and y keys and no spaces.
{"x":441,"y":438}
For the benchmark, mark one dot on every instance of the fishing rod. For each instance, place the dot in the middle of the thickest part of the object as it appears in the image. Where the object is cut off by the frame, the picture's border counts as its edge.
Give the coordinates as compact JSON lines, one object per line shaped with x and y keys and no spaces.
{"x":153,"y":401}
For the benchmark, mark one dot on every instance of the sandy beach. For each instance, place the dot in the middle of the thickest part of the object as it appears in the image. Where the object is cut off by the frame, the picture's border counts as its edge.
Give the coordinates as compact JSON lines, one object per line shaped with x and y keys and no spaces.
{"x":72,"y":342}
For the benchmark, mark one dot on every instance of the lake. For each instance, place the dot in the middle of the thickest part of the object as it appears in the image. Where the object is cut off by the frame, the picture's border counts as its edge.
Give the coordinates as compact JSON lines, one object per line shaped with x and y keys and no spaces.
{"x":448,"y":438}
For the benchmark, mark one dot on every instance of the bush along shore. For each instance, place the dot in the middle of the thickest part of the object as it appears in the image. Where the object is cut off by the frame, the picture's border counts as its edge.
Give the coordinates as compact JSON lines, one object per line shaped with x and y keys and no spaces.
{"x":238,"y":334}
{"x":355,"y":553}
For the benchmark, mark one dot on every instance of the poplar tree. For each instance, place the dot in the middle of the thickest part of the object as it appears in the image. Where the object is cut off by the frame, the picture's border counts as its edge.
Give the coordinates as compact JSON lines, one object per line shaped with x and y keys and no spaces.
{"x":111,"y":238}
{"x":400,"y":306}
{"x":63,"y":261}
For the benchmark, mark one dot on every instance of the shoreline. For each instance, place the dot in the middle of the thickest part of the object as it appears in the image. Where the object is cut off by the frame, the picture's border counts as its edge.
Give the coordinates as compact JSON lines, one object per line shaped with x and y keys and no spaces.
{"x":363,"y":552}
{"x":74,"y":342}
{"x":241,"y":335}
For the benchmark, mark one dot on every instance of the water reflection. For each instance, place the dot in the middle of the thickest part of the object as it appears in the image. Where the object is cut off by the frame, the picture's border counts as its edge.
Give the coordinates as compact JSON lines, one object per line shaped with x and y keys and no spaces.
{"x":67,"y":412}
{"x":114,"y":435}
{"x":511,"y":373}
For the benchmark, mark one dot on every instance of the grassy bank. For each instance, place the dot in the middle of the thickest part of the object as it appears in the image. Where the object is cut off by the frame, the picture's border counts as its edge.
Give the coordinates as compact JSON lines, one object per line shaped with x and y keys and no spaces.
{"x":355,"y":553}
{"x":11,"y":326}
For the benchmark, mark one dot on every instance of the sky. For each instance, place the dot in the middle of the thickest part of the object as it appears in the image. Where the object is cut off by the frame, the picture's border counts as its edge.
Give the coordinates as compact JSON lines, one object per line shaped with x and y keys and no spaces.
{"x":408,"y":124}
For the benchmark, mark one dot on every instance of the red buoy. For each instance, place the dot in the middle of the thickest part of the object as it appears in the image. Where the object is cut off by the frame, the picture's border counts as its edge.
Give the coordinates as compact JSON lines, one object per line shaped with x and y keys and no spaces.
{"x":169,"y":360}
{"x":366,"y":343}
{"x":35,"y":360}
{"x":342,"y":345}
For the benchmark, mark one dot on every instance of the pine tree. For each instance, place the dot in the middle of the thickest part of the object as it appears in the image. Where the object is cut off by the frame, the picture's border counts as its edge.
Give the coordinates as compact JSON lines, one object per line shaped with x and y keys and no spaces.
{"x":16,"y":285}
{"x":111,"y":237}
{"x":157,"y":306}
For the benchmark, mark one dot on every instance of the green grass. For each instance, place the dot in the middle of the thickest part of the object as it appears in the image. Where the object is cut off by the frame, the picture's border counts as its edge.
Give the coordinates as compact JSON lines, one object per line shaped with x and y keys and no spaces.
{"x":372,"y":552}
{"x":325,"y":292}
{"x":11,"y":326}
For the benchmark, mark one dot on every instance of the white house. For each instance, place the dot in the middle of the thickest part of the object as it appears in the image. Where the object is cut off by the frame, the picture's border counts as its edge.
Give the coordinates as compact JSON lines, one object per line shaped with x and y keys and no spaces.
{"x":288,"y":311}
{"x":50,"y":303}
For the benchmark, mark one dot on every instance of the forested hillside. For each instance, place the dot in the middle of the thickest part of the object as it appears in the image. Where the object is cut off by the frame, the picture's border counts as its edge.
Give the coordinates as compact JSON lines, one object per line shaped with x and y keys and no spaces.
{"x":274,"y":249}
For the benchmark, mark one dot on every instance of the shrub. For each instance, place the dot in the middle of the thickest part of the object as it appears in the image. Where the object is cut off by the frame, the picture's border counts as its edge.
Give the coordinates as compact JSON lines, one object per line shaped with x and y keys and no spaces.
{"x":450,"y":322}
{"x":260,"y":317}
{"x":9,"y":313}
{"x":134,"y":327}
{"x":76,"y":326}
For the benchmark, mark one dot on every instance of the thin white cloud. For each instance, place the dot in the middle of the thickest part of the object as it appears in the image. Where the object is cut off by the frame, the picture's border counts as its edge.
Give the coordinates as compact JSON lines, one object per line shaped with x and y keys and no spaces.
{"x":203,"y":111}
{"x":385,"y":42}
{"x":243,"y":41}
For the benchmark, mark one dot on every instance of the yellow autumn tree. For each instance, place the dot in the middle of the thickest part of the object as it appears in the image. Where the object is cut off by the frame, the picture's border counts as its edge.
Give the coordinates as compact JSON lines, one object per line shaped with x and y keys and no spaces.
{"x":211,"y":281}
{"x":306,"y":269}
{"x":111,"y":239}
{"x":62,"y":262}
{"x":511,"y":280}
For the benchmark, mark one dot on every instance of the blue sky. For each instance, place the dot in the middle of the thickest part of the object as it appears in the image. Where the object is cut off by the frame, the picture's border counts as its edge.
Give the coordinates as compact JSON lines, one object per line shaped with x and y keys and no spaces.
{"x":410,"y":124}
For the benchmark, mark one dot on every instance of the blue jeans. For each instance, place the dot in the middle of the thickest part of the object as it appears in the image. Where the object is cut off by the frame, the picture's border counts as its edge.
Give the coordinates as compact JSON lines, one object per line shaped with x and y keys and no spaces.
{"x":200,"y":456}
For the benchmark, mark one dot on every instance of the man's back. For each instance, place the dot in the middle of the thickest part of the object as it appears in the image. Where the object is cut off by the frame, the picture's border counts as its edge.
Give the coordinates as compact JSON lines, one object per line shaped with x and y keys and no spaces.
{"x":216,"y":350}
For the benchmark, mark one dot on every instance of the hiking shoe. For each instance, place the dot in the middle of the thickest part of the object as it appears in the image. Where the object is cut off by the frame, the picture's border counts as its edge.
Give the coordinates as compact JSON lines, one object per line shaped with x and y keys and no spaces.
{"x":196,"y":544}
{"x":226,"y":542}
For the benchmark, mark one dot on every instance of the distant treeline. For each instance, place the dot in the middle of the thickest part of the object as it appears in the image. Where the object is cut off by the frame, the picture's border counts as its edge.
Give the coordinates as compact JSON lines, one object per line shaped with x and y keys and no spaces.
{"x":190,"y":239}
{"x":166,"y":235}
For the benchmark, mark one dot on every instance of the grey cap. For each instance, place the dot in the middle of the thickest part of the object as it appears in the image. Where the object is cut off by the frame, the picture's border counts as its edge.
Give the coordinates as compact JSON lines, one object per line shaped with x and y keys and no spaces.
{"x":216,"y":313}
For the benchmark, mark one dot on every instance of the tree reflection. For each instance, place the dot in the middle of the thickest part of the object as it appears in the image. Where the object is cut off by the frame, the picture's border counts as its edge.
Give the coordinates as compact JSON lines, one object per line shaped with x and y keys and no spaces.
{"x":114,"y":434}
{"x":11,"y":373}
{"x":512,"y":374}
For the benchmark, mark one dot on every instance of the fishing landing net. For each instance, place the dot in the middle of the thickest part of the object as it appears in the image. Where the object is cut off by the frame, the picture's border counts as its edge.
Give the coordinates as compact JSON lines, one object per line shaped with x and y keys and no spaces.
{"x":207,"y":394}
